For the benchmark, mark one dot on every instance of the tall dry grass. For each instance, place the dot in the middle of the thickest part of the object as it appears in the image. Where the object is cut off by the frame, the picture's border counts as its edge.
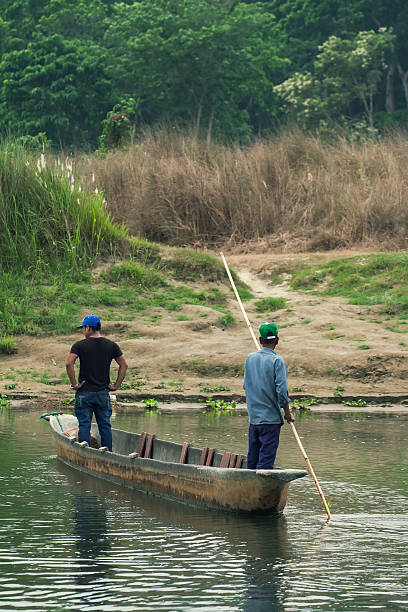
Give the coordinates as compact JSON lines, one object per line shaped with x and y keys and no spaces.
{"x":292,"y":188}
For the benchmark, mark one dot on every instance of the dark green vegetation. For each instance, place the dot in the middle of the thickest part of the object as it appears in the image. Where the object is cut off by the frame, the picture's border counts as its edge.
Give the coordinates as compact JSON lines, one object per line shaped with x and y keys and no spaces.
{"x":229,"y":70}
{"x":369,"y":279}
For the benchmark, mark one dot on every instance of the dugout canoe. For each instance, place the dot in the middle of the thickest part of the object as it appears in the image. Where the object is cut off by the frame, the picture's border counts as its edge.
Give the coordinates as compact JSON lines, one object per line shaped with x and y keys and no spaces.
{"x":180,"y":472}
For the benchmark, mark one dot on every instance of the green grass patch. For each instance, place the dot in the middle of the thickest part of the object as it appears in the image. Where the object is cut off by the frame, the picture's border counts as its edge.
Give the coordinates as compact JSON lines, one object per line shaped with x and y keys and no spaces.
{"x":150,"y":402}
{"x":397,"y":329}
{"x":360,"y":403}
{"x":7,"y":345}
{"x":244,"y":292}
{"x":32,"y":306}
{"x":304,"y":403}
{"x":135,"y":273}
{"x":364,"y":280}
{"x":226,"y":321}
{"x":190,"y":265}
{"x":270,"y":304}
{"x":206,"y":389}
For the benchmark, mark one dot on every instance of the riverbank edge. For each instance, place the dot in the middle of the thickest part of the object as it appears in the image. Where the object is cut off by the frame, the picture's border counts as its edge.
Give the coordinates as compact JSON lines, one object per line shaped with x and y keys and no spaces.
{"x":131,"y":399}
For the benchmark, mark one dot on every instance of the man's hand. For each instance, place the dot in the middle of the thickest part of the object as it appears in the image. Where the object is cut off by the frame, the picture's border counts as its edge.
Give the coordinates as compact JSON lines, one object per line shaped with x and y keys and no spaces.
{"x":289,"y":418}
{"x":123,"y":366}
{"x":78,"y":385}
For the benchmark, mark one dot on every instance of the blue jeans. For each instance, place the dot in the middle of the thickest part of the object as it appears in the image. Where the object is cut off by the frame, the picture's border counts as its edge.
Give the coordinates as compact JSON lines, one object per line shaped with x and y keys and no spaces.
{"x":263,"y":442}
{"x":97,"y":403}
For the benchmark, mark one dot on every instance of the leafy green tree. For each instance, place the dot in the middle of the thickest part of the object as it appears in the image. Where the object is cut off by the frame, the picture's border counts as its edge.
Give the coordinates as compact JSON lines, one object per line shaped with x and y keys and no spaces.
{"x":118,"y":127}
{"x":4,"y":35}
{"x":306,"y":24}
{"x":345,"y":70}
{"x":57,"y":87}
{"x":195,"y":62}
{"x":74,"y":19}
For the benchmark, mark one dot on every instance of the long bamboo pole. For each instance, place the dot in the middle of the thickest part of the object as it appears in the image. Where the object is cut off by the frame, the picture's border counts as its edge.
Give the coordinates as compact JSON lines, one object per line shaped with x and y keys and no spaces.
{"x":295,"y":433}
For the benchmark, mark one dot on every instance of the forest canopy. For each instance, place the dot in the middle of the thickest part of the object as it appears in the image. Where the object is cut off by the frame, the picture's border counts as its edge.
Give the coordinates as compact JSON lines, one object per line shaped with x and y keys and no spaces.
{"x":87,"y":74}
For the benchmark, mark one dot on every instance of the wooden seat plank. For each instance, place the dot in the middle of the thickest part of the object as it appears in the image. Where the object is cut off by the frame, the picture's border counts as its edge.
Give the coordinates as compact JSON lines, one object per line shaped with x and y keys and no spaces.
{"x":184,"y":451}
{"x":204,"y":454}
{"x":140,"y":446}
{"x":149,"y":444}
{"x":225,"y":460}
{"x":239,"y":461}
{"x":232,"y":460}
{"x":210,"y":457}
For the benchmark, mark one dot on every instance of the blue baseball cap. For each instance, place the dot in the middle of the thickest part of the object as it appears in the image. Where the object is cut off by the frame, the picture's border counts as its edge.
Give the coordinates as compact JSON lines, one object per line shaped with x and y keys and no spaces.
{"x":90,"y":320}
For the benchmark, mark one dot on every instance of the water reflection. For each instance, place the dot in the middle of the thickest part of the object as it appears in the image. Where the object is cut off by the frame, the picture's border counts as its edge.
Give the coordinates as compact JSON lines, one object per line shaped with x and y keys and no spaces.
{"x":73,"y":542}
{"x":264,"y":574}
{"x":92,"y":544}
{"x":256,"y":547}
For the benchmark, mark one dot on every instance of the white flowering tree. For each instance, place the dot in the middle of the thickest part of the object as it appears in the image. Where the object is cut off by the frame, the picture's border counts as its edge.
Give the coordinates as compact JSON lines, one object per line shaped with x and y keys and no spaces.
{"x":345,"y":71}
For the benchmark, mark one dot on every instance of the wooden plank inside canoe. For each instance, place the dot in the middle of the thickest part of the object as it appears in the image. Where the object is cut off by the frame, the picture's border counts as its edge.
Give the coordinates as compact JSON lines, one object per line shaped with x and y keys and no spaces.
{"x":149,"y":443}
{"x":183,"y":454}
{"x":140,"y":446}
{"x":204,"y":454}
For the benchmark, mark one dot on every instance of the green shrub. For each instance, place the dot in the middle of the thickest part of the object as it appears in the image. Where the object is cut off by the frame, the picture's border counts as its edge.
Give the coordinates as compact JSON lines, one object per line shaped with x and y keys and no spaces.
{"x":226,"y":321}
{"x":189,"y":265}
{"x":134,"y":273}
{"x":270,"y":304}
{"x":7,"y":345}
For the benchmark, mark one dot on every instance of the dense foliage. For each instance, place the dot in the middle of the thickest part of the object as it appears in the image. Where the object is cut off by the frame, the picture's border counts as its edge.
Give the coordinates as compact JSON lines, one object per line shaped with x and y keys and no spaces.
{"x":219,"y":68}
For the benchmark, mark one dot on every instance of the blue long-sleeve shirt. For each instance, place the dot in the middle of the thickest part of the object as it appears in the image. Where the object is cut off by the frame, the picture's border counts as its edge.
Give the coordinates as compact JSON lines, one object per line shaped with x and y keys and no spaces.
{"x":266,"y":387}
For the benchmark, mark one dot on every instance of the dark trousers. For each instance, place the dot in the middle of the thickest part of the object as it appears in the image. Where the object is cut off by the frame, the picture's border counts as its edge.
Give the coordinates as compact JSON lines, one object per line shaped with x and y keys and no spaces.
{"x":97,"y":403}
{"x":263,"y":442}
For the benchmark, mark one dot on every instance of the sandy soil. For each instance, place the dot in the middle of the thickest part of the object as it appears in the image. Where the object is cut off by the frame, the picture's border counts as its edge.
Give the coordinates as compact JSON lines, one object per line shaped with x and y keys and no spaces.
{"x":319,"y":340}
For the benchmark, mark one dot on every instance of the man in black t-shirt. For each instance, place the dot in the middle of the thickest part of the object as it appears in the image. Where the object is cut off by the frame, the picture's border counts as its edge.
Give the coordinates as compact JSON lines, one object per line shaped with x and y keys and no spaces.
{"x":95,"y":354}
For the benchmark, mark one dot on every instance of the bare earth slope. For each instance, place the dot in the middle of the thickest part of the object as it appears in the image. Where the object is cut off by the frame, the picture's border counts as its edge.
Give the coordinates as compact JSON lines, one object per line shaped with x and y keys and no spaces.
{"x":321,"y":340}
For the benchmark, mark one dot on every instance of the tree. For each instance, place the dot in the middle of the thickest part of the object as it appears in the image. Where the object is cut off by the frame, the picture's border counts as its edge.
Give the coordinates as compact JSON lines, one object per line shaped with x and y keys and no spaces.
{"x":74,"y":19}
{"x":57,"y":87}
{"x":195,"y":62}
{"x":345,"y":70}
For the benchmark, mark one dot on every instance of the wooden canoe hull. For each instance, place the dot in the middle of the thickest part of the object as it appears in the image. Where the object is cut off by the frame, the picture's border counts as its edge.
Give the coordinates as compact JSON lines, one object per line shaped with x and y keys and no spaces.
{"x":237,"y":490}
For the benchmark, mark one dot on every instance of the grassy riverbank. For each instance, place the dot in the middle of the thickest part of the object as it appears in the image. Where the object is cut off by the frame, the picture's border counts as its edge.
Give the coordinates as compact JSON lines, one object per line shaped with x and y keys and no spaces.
{"x":343,"y":318}
{"x":61,"y":253}
{"x":367,"y":280}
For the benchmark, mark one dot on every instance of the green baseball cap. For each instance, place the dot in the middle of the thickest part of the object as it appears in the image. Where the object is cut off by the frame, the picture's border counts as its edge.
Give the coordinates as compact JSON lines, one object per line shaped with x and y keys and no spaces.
{"x":268,"y":331}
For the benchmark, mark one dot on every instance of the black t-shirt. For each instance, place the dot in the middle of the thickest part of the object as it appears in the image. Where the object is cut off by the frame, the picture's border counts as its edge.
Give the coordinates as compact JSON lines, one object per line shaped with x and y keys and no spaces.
{"x":95,"y":356}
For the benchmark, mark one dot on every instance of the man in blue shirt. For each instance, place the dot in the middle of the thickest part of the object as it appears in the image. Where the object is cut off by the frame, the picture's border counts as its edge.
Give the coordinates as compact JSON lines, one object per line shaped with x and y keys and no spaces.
{"x":266,"y":389}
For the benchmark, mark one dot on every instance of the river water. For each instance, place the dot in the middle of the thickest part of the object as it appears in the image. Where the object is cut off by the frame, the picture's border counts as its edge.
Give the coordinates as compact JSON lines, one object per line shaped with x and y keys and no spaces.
{"x":72,"y":542}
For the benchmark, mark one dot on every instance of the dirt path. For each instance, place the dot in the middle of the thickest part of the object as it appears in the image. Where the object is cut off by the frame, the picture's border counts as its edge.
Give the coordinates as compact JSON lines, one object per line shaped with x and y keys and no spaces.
{"x":323,"y":341}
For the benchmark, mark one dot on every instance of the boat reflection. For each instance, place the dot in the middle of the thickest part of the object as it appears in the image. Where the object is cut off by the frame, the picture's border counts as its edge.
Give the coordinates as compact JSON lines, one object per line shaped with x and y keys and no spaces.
{"x":260,"y":543}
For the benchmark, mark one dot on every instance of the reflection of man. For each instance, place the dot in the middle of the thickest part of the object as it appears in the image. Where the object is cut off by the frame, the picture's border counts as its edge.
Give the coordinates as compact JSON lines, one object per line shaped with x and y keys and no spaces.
{"x":265,"y":569}
{"x":266,"y":389}
{"x":92,"y":543}
{"x":92,"y":391}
